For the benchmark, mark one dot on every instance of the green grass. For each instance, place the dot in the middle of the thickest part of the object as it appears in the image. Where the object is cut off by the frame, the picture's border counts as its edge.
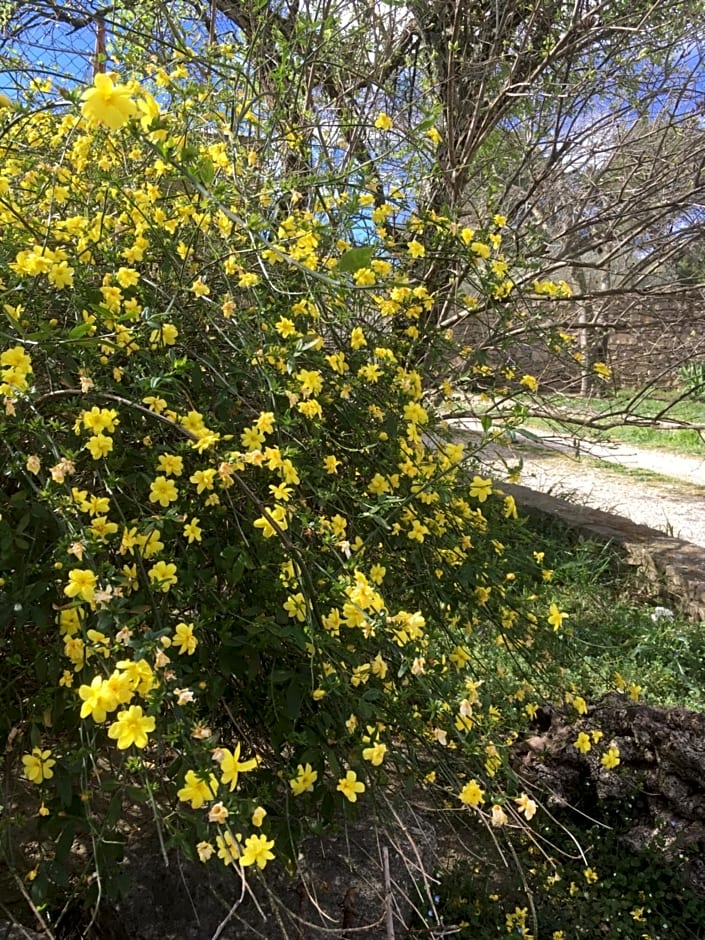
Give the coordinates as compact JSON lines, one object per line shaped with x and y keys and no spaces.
{"x":663,"y":405}
{"x":637,"y":895}
{"x":614,"y":626}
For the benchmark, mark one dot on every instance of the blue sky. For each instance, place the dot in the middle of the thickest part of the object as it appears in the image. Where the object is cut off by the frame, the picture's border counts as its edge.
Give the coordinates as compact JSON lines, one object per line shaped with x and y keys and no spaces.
{"x":50,"y":50}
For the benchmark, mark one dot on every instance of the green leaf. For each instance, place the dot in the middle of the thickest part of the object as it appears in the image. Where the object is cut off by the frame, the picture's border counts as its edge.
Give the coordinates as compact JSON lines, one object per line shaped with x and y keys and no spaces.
{"x":205,"y":172}
{"x":356,"y":258}
{"x":294,"y":700}
{"x":80,"y":330}
{"x":114,"y":810}
{"x":64,"y":786}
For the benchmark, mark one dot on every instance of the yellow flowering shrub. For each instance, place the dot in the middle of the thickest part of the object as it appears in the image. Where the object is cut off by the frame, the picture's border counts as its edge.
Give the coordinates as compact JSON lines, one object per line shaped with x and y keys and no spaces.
{"x":247,"y":572}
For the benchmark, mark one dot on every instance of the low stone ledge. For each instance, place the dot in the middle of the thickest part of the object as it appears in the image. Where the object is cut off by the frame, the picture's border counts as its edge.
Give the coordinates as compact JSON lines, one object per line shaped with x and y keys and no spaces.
{"x":674,"y":567}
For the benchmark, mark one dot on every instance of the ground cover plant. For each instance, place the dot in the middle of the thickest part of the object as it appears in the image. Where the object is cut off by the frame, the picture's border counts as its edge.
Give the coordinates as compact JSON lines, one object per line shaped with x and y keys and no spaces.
{"x":609,"y":890}
{"x":610,"y":881}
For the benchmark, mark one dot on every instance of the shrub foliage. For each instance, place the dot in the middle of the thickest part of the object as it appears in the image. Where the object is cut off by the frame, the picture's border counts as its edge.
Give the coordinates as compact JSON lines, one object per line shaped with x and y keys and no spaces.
{"x":248,"y":574}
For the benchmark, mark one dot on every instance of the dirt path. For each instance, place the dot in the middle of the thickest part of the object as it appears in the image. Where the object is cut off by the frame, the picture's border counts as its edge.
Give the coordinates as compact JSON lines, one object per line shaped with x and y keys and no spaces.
{"x":614,"y":477}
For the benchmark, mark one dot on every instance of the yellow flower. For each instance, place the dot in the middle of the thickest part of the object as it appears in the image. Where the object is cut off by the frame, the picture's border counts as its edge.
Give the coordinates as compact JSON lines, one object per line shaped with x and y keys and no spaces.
{"x":163,"y":491}
{"x":99,"y":446}
{"x":37,"y":765}
{"x":583,"y":743}
{"x":526,"y":806}
{"x":580,"y":705}
{"x":131,"y":727}
{"x":258,"y":816}
{"x":472,"y":794}
{"x":192,"y":530}
{"x":295,"y":606}
{"x":556,"y":617}
{"x":196,"y":790}
{"x":304,"y":780}
{"x":82,"y":583}
{"x":460,"y":657}
{"x":590,"y":875}
{"x":357,"y":338}
{"x":418,"y":531}
{"x":98,"y":699}
{"x":200,"y":288}
{"x":311,"y":381}
{"x":251,"y":438}
{"x":311,"y":409}
{"x":530,"y":382}
{"x":416,"y":249}
{"x":102,"y":528}
{"x":257,"y":851}
{"x":163,"y":575}
{"x":276,"y":515}
{"x":265,"y":422}
{"x":499,"y":817}
{"x":231,"y":765}
{"x":482,"y":595}
{"x":610,"y":759}
{"x":107,"y":104}
{"x":384,"y":122}
{"x":285,"y":327}
{"x":604,"y":371}
{"x":228,"y":848}
{"x":350,"y":786}
{"x":480,"y":488}
{"x":377,"y":573}
{"x":166,"y":335}
{"x":331,"y":463}
{"x":205,"y":851}
{"x":203,"y":479}
{"x":375,"y":754}
{"x":185,"y":639}
{"x":417,"y":414}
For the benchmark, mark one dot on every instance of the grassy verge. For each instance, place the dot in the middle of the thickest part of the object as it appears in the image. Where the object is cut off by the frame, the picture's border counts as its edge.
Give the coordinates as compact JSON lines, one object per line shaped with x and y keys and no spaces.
{"x":616,"y":628}
{"x":576,"y":877}
{"x":616,"y":893}
{"x":664,"y":406}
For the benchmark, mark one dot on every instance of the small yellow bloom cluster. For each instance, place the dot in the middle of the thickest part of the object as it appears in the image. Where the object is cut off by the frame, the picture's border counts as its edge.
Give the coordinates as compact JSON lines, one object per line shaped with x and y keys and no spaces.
{"x":553,"y":289}
{"x":102,"y":696}
{"x":16,"y":367}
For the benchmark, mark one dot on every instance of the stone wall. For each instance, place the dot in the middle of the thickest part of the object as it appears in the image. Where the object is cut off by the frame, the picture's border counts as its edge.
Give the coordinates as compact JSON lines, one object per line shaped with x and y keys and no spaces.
{"x":647,"y":339}
{"x":674,"y":568}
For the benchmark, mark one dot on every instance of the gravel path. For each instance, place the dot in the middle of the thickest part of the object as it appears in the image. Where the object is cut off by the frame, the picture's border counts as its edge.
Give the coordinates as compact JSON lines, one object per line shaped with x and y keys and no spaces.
{"x":673,"y":502}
